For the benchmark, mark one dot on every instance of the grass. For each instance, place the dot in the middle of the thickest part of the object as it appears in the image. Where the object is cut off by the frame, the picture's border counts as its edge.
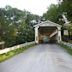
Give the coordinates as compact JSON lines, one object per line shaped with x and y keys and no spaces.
{"x":70,"y":41}
{"x":12,"y":53}
{"x":67,"y":48}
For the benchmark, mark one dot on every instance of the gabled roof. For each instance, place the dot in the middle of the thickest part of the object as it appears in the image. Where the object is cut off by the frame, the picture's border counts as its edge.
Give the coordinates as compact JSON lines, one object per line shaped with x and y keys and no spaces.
{"x":47,"y":23}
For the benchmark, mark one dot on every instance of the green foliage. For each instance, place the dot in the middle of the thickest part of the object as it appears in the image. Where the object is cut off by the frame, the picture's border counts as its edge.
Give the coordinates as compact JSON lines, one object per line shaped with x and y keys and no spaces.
{"x":54,"y":12}
{"x":66,"y":6}
{"x":12,"y":53}
{"x":67,"y":48}
{"x":16,"y":26}
{"x":51,"y":14}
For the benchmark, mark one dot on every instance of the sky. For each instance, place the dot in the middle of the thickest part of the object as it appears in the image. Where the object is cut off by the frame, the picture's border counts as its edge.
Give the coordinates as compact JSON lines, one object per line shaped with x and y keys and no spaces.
{"x":34,"y":6}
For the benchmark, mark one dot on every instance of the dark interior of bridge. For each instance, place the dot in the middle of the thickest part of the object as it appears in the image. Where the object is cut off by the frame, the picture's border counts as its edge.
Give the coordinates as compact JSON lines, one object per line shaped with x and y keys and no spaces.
{"x":44,"y":35}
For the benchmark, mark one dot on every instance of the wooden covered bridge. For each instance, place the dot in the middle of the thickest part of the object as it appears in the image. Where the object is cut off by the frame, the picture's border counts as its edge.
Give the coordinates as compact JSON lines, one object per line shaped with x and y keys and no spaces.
{"x":47,"y":32}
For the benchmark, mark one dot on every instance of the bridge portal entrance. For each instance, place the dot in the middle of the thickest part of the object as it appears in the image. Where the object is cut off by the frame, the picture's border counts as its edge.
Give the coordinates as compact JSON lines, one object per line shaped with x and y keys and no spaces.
{"x":47,"y":32}
{"x":44,"y":34}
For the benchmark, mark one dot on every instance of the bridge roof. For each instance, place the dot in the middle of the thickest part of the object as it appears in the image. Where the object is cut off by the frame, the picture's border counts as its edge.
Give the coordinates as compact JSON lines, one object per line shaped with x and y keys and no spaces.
{"x":47,"y":23}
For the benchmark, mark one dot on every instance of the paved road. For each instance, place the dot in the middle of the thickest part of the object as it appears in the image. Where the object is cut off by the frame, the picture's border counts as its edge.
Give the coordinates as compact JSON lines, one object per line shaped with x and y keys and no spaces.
{"x":41,"y":58}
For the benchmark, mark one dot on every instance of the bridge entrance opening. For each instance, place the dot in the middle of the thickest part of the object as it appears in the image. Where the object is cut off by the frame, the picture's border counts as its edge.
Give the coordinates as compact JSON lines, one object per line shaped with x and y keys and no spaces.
{"x":47,"y":34}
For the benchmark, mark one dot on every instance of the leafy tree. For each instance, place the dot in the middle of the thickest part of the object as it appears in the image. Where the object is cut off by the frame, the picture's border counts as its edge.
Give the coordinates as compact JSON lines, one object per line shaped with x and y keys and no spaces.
{"x":66,"y":6}
{"x":16,"y":26}
{"x":51,"y":14}
{"x":54,"y":12}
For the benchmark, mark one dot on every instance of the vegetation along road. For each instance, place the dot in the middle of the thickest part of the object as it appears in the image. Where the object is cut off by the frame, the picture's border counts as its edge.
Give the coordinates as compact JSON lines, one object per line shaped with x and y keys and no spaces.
{"x":41,"y":58}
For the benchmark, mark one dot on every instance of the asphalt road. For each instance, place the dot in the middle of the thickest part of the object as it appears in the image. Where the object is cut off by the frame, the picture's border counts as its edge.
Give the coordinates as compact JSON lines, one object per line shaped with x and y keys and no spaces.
{"x":41,"y":58}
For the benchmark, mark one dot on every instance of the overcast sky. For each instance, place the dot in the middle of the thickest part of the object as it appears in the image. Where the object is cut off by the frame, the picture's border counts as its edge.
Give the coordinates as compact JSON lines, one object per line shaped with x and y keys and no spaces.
{"x":34,"y":6}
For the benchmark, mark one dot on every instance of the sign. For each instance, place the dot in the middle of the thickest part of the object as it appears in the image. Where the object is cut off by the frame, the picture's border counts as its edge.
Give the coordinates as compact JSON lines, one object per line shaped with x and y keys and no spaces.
{"x":65,"y":32}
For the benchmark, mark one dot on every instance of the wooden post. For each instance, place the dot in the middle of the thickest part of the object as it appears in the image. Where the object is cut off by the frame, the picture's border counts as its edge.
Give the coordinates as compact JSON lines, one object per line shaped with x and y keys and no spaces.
{"x":36,"y":35}
{"x":59,"y":34}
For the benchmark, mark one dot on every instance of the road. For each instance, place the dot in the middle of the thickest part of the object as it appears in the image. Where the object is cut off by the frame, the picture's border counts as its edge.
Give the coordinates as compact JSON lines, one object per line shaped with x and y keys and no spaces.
{"x":40,"y":58}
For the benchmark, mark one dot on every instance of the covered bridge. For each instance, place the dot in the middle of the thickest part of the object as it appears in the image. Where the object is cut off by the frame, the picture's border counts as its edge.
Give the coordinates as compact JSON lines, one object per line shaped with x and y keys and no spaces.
{"x":47,"y":32}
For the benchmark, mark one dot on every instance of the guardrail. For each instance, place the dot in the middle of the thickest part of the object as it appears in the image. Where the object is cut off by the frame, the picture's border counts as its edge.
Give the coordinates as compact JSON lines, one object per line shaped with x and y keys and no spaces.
{"x":15,"y":47}
{"x":67,"y":44}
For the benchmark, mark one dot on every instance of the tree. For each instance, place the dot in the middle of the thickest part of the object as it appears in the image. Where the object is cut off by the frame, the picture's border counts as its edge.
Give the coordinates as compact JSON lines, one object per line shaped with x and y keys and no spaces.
{"x":53,"y":14}
{"x":16,"y":26}
{"x":66,"y":6}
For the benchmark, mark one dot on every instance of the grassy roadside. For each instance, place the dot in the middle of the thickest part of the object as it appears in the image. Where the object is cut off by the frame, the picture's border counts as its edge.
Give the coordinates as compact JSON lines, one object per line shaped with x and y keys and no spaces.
{"x":12,"y":53}
{"x":67,"y":48}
